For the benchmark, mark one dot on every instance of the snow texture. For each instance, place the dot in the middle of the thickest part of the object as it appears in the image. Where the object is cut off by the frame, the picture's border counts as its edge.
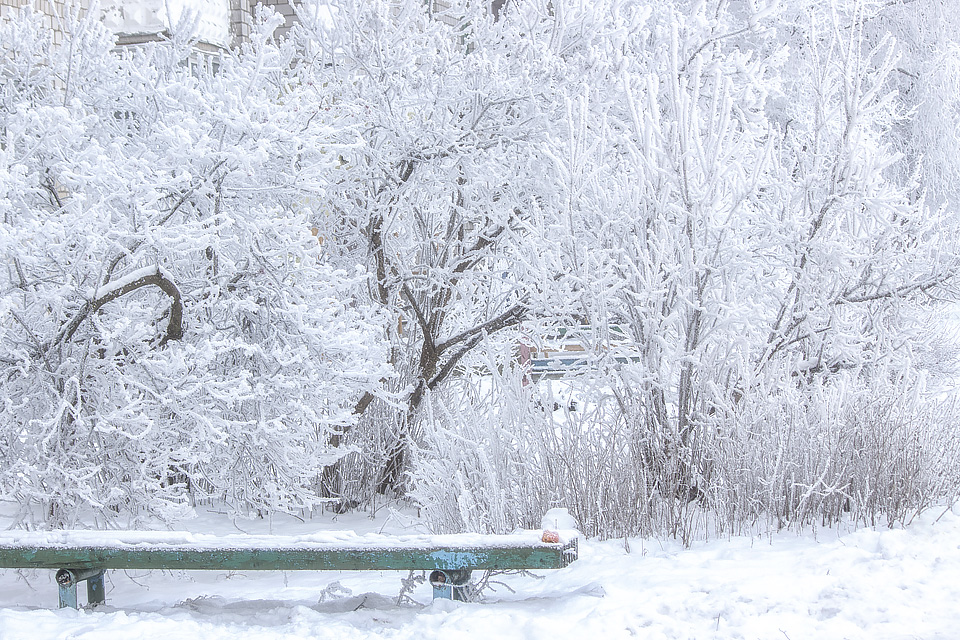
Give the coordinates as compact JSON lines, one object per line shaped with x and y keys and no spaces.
{"x":328,"y":540}
{"x":868,"y":583}
{"x":557,"y":519}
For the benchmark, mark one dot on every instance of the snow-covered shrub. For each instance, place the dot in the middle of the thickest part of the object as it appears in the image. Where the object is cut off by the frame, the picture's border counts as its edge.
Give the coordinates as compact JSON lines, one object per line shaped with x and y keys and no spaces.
{"x":498,"y":454}
{"x":170,"y":330}
{"x":478,"y":466}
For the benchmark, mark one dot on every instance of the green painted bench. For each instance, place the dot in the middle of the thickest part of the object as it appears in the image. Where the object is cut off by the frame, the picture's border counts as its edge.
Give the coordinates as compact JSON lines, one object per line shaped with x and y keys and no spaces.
{"x":83,"y":556}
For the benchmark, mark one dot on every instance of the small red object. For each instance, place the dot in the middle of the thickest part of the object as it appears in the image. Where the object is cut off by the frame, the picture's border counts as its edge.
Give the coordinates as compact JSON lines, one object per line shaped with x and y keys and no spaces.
{"x":550,"y":536}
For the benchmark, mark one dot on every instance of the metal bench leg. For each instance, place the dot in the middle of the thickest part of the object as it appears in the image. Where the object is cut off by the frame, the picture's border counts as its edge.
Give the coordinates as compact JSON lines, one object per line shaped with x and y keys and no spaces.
{"x":68,"y":595}
{"x":95,"y":591}
{"x":67,"y":580}
{"x":451,"y":584}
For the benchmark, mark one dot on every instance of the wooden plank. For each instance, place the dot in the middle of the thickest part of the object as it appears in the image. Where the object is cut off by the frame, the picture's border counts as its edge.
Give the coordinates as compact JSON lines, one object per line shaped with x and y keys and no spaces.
{"x":315,"y":558}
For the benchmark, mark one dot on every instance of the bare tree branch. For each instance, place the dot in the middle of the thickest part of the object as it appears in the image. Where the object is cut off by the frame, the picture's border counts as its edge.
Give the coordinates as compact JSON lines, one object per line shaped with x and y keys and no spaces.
{"x":510,"y":317}
{"x":849,"y":298}
{"x":424,"y":326}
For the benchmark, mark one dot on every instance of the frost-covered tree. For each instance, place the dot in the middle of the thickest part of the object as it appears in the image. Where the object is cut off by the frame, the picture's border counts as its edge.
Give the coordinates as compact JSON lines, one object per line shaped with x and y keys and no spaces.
{"x":171,"y":330}
{"x":725,"y":187}
{"x":774,"y":249}
{"x":206,"y":274}
{"x":441,"y":199}
{"x":926,"y":79}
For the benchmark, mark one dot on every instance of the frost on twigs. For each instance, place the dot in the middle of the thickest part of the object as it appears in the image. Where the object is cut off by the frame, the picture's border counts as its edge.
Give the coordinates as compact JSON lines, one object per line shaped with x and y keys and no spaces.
{"x":334,"y":591}
{"x":758,"y":196}
{"x":172,"y":332}
{"x":491,"y":580}
{"x":407,"y":586}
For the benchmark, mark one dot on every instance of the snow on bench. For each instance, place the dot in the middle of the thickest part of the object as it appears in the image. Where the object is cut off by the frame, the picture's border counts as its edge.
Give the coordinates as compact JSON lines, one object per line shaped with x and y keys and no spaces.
{"x":84,"y":555}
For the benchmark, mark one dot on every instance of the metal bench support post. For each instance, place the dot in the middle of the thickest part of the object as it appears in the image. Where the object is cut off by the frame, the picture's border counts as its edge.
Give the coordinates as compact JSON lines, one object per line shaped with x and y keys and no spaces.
{"x":68,"y":596}
{"x":67,"y":580}
{"x":95,"y":591}
{"x":451,"y":584}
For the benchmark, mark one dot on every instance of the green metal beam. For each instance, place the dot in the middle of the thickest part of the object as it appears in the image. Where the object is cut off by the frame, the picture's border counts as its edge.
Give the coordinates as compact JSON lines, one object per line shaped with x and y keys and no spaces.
{"x":83,"y":556}
{"x":314,"y":557}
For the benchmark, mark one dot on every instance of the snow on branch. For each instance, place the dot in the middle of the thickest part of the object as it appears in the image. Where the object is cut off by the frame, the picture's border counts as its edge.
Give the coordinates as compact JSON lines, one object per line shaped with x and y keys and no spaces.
{"x":146,"y":276}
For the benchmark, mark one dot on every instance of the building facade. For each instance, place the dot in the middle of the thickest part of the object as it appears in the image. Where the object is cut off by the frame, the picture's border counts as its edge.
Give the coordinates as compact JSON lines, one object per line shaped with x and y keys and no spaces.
{"x":50,"y":9}
{"x":220,"y":24}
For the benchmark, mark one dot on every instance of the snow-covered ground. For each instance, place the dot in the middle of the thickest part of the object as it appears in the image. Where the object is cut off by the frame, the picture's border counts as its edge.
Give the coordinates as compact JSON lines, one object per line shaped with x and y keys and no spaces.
{"x":866,"y":583}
